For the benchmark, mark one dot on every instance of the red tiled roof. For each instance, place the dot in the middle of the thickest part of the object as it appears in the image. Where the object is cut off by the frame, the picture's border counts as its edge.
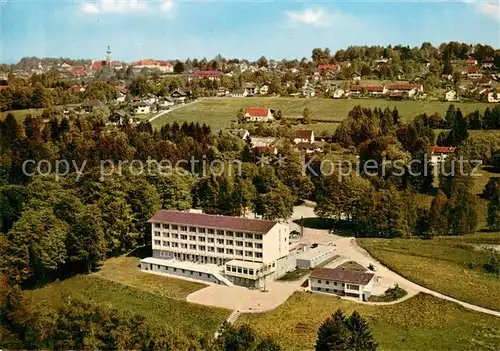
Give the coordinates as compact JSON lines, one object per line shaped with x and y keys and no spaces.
{"x":204,"y":74}
{"x":472,"y":70}
{"x":146,"y":62}
{"x":164,"y":64}
{"x":379,"y":88}
{"x":355,"y":88}
{"x":303,"y":134}
{"x":213,"y":221}
{"x":341,"y":275}
{"x":443,"y":149}
{"x":98,"y":65}
{"x":257,"y":111}
{"x":327,"y":67}
{"x":403,"y":86}
{"x":79,"y":71}
{"x":470,"y":60}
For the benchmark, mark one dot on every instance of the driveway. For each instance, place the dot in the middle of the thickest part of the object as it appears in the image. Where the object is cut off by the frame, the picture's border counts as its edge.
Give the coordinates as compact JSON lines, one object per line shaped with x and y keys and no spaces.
{"x":245,"y":300}
{"x":172,"y":109}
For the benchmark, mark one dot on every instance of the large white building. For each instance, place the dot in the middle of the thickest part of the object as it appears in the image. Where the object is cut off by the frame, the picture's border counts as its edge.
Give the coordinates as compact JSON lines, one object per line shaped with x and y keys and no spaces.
{"x":247,"y":251}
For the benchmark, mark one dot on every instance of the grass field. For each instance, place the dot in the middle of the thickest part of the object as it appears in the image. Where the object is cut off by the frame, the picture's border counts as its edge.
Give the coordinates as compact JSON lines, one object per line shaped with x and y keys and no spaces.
{"x":420,"y":323}
{"x":21,"y":114}
{"x":125,"y":270}
{"x":159,"y":299}
{"x":442,"y":264}
{"x":219,"y":113}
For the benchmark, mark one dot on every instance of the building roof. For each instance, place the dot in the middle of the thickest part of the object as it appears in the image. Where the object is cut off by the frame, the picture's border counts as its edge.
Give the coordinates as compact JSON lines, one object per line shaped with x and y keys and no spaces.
{"x":257,"y":111}
{"x":204,"y":74}
{"x":378,"y":88}
{"x":213,"y":221}
{"x":443,"y":149}
{"x":472,"y":70}
{"x":317,"y":251}
{"x":355,"y":88}
{"x":352,"y":266}
{"x":304,"y":134}
{"x":403,"y":86}
{"x":328,"y":67}
{"x":341,"y":275}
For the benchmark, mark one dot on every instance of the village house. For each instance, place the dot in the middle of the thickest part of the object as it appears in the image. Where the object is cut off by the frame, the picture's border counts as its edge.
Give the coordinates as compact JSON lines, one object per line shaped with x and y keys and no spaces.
{"x":355,"y":90}
{"x":342,"y":282}
{"x":143,"y":108}
{"x":179,"y":96}
{"x":308,"y":90}
{"x":162,"y":66}
{"x":488,"y":63}
{"x":211,"y":75}
{"x":451,"y":95}
{"x":89,"y":106}
{"x":493,"y":96}
{"x":239,"y":93}
{"x":328,"y":68}
{"x":250,"y":88}
{"x":473,"y":73}
{"x":471,"y":61}
{"x":65,"y":66}
{"x":356,"y":76}
{"x":376,"y":90}
{"x":166,"y":103}
{"x":338,"y":93}
{"x":264,"y":89}
{"x":258,"y":114}
{"x":266,"y":149}
{"x":243,"y":134}
{"x":304,"y":136}
{"x":79,"y":71}
{"x":223,"y":92}
{"x":407,"y":90}
{"x":440,"y":153}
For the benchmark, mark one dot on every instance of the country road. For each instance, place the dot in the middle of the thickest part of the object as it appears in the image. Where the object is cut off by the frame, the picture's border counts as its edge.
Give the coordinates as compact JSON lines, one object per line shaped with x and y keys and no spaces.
{"x":162,"y":113}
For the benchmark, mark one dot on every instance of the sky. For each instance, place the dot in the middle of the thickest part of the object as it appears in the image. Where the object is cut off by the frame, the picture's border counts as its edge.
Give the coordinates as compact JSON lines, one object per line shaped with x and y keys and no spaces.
{"x":180,"y":29}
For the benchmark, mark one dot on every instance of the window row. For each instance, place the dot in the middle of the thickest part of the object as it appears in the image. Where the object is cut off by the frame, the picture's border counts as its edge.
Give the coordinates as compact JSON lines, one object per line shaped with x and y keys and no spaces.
{"x":209,"y":249}
{"x":210,"y":240}
{"x":327,"y":282}
{"x":221,"y":232}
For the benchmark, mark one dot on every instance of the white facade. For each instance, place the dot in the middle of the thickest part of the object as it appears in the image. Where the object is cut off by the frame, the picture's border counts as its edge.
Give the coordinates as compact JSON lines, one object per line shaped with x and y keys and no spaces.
{"x":493,"y":97}
{"x":142,"y":109}
{"x":451,"y":96}
{"x":338,"y":93}
{"x":362,"y":292}
{"x":253,"y":251}
{"x":314,"y":257}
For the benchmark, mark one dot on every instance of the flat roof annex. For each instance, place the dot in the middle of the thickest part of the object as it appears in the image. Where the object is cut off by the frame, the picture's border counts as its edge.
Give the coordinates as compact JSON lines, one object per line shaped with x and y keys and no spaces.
{"x":213,"y":221}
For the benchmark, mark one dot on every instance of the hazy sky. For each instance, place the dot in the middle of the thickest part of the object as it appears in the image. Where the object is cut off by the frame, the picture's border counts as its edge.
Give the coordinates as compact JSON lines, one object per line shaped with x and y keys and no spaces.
{"x":165,"y":29}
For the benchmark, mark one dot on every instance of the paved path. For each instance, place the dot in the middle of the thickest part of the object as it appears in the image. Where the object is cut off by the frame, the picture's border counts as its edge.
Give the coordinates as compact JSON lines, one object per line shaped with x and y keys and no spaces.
{"x":172,"y":109}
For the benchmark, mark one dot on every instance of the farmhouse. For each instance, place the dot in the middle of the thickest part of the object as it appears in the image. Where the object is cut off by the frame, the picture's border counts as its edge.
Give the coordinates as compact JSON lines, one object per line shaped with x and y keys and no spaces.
{"x":250,"y":88}
{"x":407,"y":90}
{"x":178,"y":95}
{"x":221,"y":249}
{"x":451,"y":95}
{"x":90,"y":105}
{"x":471,"y":61}
{"x":142,"y":107}
{"x":258,"y":114}
{"x":376,"y":90}
{"x":338,"y":93}
{"x":211,"y":75}
{"x":304,"y":136}
{"x":473,"y":73}
{"x":342,"y":282}
{"x":488,"y":63}
{"x":440,"y":153}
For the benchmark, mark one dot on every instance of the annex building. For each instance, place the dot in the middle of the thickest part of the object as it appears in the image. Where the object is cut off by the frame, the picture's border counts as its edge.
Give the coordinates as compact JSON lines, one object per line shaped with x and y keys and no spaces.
{"x":219,"y":249}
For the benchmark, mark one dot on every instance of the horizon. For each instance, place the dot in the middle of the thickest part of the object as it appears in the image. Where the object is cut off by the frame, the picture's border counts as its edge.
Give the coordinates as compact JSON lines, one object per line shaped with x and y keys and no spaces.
{"x":165,"y":30}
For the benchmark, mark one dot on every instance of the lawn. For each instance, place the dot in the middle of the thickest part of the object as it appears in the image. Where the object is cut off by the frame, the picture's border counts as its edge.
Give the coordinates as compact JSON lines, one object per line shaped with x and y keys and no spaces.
{"x":450,"y":265}
{"x":219,"y":113}
{"x":125,"y":270}
{"x":420,"y":323}
{"x":21,"y":114}
{"x":173,"y":313}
